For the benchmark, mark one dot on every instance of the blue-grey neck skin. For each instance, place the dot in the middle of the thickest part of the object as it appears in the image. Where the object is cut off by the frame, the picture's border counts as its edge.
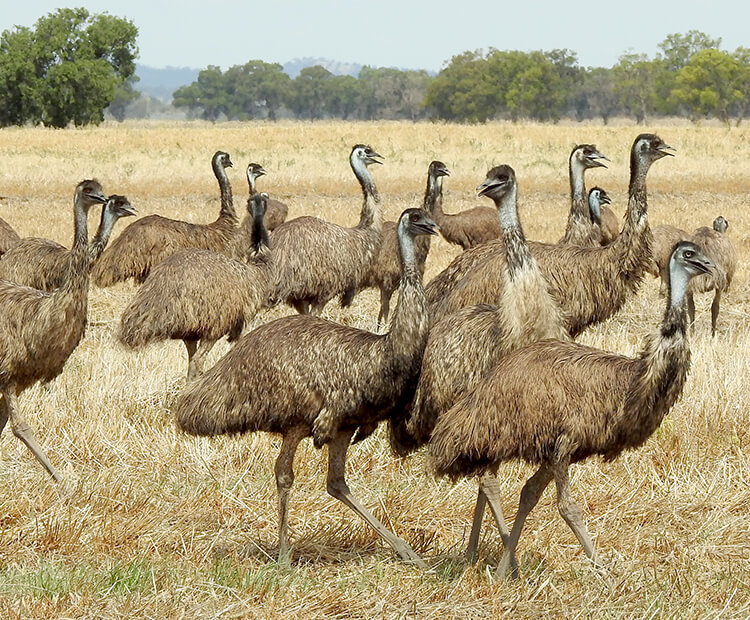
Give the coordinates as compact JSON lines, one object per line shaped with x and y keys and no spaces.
{"x":595,"y":206}
{"x":251,"y":182}
{"x":363,"y":175}
{"x":507,"y":212}
{"x":678,"y":283}
{"x":406,"y":245}
{"x":577,"y":170}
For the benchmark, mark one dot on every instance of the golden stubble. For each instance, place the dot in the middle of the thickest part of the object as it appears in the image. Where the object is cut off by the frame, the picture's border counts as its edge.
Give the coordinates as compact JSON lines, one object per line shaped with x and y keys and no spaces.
{"x":157,"y":524}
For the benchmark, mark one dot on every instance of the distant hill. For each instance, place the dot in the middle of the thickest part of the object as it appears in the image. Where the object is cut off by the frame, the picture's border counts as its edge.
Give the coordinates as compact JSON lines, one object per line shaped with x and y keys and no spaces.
{"x":293,"y":67}
{"x":161,"y":83}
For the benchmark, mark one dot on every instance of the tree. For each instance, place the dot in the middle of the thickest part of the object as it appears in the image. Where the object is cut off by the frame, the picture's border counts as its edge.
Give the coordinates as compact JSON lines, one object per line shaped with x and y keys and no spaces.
{"x":345,"y":95}
{"x":310,"y":92}
{"x":596,"y":96}
{"x":710,"y":84}
{"x":67,"y":69}
{"x":207,"y":94}
{"x":392,"y":93}
{"x":676,"y":51}
{"x":463,"y":90}
{"x":634,"y":85}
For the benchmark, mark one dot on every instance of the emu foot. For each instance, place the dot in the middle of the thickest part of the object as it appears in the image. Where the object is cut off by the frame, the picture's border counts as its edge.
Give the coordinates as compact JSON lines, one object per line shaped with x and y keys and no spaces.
{"x":507,"y":562}
{"x":407,"y":554}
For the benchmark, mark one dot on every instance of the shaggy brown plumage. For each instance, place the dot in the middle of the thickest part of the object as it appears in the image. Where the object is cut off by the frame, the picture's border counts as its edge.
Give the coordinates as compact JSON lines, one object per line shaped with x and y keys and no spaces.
{"x":199,"y":296}
{"x":590,"y":284}
{"x":39,"y":330}
{"x":315,"y":261}
{"x":580,"y":229}
{"x":8,"y":236}
{"x":468,"y":228}
{"x":665,"y":237}
{"x":580,"y":402}
{"x":602,"y":216}
{"x":464,"y":345}
{"x":385,"y":272}
{"x":276,"y":212}
{"x":149,"y":240}
{"x":719,"y":248}
{"x":301,"y":375}
{"x":43,"y":263}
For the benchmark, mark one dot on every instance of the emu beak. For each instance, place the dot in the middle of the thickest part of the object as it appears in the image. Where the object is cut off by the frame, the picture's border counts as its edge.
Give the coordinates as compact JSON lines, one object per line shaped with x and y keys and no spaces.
{"x":373,"y":159}
{"x":604,"y":199}
{"x":129,"y":210}
{"x":427,"y":226}
{"x":662,"y":150}
{"x":487,"y":186}
{"x":702,"y":264}
{"x":98,"y":197}
{"x":595,"y":159}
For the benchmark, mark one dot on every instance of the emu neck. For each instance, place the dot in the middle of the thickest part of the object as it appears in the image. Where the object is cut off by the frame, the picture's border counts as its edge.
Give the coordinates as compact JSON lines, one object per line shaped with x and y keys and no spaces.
{"x":663,"y":368}
{"x":227,"y":203}
{"x":410,"y":324}
{"x":433,"y":195}
{"x":632,"y":248}
{"x":578,"y":230}
{"x":77,"y":279}
{"x":595,"y":210}
{"x":517,"y":255}
{"x":370,"y":216}
{"x":101,"y":238}
{"x":258,"y":239}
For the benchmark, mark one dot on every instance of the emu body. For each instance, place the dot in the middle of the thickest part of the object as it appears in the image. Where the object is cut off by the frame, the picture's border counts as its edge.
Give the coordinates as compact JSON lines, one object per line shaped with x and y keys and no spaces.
{"x":149,"y":240}
{"x":581,"y":402}
{"x":303,"y":376}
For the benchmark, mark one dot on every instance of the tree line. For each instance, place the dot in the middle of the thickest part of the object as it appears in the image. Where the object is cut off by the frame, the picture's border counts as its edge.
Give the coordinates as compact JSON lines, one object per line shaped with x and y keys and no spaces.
{"x":73,"y":65}
{"x":689,"y":76}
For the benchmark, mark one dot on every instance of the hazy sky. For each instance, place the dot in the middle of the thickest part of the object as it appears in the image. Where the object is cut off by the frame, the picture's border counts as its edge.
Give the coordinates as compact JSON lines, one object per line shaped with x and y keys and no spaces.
{"x":406,"y":34}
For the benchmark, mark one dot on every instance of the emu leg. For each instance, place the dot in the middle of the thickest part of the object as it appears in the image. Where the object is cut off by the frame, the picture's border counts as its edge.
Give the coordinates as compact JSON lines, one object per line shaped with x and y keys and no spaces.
{"x":385,"y":306}
{"x":3,"y":412}
{"x":691,"y":309}
{"x":338,"y":488}
{"x":204,"y":348}
{"x":570,"y":511}
{"x":715,"y":311}
{"x":476,"y":526}
{"x":316,"y":308}
{"x":530,"y":495}
{"x":489,"y":490}
{"x":302,"y":307}
{"x":191,"y":346}
{"x":284,"y":470}
{"x":23,"y":432}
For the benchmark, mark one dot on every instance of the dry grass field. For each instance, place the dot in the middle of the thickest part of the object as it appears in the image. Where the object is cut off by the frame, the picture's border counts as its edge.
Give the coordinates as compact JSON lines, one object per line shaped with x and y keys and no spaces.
{"x":156,"y":524}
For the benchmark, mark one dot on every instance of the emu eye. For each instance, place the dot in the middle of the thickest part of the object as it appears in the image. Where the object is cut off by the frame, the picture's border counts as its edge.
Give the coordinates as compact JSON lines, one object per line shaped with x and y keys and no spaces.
{"x":414,"y":217}
{"x":689,"y":253}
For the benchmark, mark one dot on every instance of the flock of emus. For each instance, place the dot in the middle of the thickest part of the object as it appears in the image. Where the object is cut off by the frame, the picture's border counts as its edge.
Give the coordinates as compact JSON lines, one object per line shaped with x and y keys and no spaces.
{"x":450,"y":373}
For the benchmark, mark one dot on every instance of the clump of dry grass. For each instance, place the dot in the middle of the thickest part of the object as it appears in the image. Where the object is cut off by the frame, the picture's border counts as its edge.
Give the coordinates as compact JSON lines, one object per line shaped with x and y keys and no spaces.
{"x":162,"y":525}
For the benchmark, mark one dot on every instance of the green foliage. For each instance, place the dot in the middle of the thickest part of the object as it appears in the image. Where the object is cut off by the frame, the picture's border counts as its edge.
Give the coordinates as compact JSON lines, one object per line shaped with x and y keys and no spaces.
{"x":515,"y":84}
{"x":310,"y":92}
{"x":67,"y":69}
{"x":207,"y":94}
{"x":462,"y":92}
{"x":688,"y":76}
{"x":634,"y":85}
{"x":710,"y":84}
